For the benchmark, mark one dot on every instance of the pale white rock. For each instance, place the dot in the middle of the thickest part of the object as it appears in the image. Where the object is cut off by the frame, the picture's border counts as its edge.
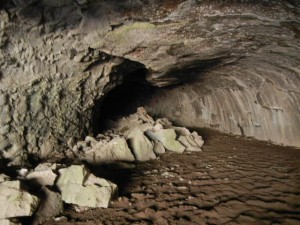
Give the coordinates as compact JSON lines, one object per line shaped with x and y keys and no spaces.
{"x":51,"y":206}
{"x":15,"y":202}
{"x":158,"y":127}
{"x":48,"y":166}
{"x":93,"y":180}
{"x":181,"y":131}
{"x":165,"y":122}
{"x":78,"y":186}
{"x":42,"y":177}
{"x":115,"y":150}
{"x":189,"y":143}
{"x":158,"y":148}
{"x":141,"y":146}
{"x":91,"y":141}
{"x":168,"y":138}
{"x":87,"y":196}
{"x":75,"y":174}
{"x":9,"y":222}
{"x":198,"y":139}
{"x":23,"y":172}
{"x":144,"y":116}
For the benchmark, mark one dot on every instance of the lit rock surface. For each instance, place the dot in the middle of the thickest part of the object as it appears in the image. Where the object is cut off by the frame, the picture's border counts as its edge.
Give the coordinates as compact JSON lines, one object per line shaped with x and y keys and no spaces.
{"x":141,"y":146}
{"x":44,"y":177}
{"x":8,"y":222}
{"x":58,"y":58}
{"x":16,"y":202}
{"x":114,"y":150}
{"x":146,"y":138}
{"x":233,"y":181}
{"x":168,"y":138}
{"x":78,"y":186}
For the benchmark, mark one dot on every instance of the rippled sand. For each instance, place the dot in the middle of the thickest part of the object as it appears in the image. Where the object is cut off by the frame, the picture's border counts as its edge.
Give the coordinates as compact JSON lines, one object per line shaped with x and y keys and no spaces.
{"x":233,"y":181}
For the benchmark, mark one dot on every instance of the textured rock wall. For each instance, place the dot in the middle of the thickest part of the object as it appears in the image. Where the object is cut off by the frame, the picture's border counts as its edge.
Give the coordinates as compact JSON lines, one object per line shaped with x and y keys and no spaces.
{"x":58,"y":57}
{"x":241,"y":62}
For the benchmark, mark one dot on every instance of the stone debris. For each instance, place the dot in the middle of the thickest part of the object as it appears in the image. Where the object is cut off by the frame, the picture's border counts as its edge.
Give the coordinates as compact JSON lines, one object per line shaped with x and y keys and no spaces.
{"x":16,"y":202}
{"x":51,"y":206}
{"x":9,"y":222}
{"x":78,"y":186}
{"x":137,"y":137}
{"x":105,"y":151}
{"x":141,"y":145}
{"x":168,"y":138}
{"x":43,"y":177}
{"x":158,"y":148}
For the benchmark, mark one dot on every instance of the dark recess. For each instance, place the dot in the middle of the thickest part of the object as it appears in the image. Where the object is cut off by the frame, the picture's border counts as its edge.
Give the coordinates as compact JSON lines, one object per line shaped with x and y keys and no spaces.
{"x":122,"y":100}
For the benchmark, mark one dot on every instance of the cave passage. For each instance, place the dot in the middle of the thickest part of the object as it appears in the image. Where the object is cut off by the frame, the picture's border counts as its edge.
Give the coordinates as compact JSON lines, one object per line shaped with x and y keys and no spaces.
{"x":122,"y":100}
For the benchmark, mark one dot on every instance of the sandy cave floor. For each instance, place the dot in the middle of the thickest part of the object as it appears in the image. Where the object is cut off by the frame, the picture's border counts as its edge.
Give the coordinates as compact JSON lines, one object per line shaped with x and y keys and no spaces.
{"x":233,"y":181}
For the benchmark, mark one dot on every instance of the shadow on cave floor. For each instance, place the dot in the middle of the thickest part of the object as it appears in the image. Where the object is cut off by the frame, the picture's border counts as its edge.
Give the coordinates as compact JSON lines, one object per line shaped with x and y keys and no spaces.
{"x":233,"y":181}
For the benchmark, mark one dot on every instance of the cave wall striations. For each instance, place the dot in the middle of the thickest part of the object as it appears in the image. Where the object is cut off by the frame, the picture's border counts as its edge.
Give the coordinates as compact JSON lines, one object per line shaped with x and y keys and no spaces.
{"x":240,"y":63}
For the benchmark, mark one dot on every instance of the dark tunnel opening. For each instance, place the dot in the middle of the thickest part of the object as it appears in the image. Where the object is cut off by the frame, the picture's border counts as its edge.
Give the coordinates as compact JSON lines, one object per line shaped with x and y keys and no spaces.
{"x":122,"y":100}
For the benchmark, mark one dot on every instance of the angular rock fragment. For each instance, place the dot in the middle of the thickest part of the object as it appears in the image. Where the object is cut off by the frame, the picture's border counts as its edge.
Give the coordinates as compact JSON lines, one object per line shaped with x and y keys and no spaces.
{"x":78,"y":186}
{"x":189,"y":143}
{"x":141,"y":146}
{"x":42,"y":177}
{"x":16,"y":202}
{"x":51,"y":206}
{"x":168,"y":138}
{"x":115,"y":150}
{"x":158,"y":148}
{"x":9,"y":222}
{"x":198,"y":139}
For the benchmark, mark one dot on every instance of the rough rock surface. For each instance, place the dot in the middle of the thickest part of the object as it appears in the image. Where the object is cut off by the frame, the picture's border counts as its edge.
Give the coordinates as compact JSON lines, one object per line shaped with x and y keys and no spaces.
{"x":16,"y":202}
{"x":51,"y":206}
{"x":168,"y":138}
{"x":58,"y":58}
{"x":114,"y":150}
{"x":45,"y":177}
{"x":145,"y":136}
{"x":141,"y":146}
{"x":233,"y":181}
{"x":78,"y":186}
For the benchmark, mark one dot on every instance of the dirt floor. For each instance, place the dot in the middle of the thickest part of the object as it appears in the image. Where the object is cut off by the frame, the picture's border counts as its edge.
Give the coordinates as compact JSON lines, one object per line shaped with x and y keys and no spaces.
{"x":233,"y":181}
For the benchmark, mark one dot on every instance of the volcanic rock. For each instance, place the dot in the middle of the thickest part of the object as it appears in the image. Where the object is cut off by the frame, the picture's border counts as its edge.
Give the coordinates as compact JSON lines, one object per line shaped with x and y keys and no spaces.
{"x":168,"y":138}
{"x":16,"y":202}
{"x":141,"y":146}
{"x":78,"y":186}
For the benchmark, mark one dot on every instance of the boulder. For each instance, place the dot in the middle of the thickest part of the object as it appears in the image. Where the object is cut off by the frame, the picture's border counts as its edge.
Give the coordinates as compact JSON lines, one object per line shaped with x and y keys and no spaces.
{"x":189,"y":143}
{"x":181,"y":131}
{"x":158,"y":148}
{"x":51,"y":206}
{"x":75,"y":174}
{"x":168,"y":138}
{"x":9,"y":222}
{"x":141,"y":146}
{"x":78,"y":186}
{"x":16,"y":202}
{"x":43,"y":177}
{"x":198,"y":139}
{"x":115,"y":150}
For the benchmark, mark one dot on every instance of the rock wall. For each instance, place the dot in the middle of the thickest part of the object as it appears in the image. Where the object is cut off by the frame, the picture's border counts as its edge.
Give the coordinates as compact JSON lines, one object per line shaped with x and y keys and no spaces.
{"x":58,"y":57}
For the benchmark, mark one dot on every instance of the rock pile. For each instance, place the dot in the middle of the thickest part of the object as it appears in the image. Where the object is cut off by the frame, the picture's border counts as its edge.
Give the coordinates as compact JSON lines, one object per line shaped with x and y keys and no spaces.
{"x":76,"y":185}
{"x":137,"y":137}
